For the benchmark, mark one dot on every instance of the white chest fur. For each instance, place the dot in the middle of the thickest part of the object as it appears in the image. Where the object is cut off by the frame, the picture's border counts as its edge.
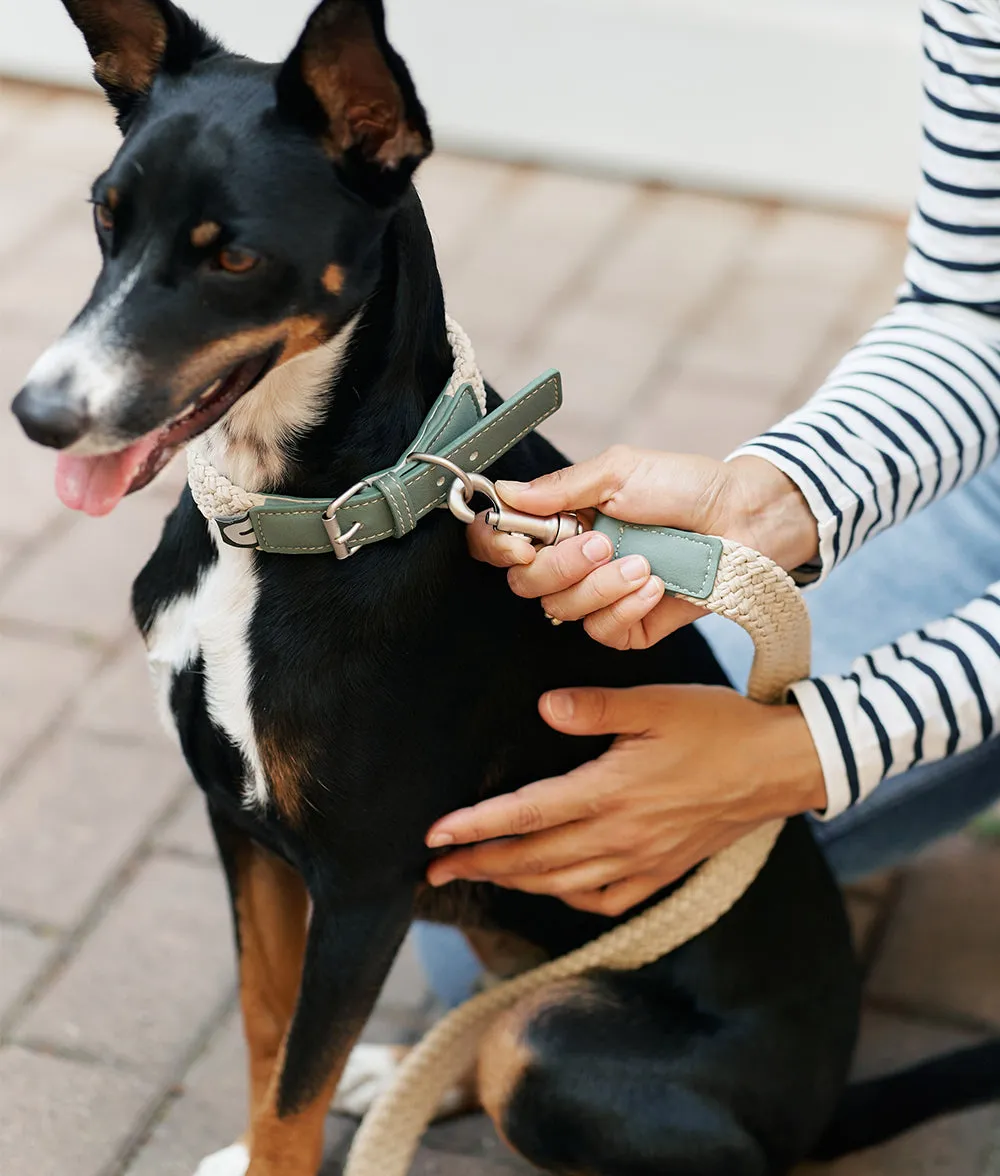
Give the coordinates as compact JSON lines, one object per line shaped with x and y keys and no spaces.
{"x":213,"y":623}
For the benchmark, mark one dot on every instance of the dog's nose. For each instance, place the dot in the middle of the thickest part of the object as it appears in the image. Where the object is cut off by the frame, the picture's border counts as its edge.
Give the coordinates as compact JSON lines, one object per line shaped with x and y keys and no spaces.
{"x":48,"y":417}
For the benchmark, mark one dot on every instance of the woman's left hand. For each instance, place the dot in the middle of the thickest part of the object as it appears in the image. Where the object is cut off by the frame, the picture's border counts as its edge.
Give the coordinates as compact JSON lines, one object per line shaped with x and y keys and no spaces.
{"x":693,"y":769}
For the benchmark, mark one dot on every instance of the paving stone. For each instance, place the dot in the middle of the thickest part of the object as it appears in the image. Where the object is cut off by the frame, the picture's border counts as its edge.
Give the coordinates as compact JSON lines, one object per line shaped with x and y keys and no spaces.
{"x":22,"y":955}
{"x":958,"y":1145}
{"x":37,"y":680}
{"x":699,"y":412}
{"x":48,"y":286}
{"x":532,"y":249}
{"x":119,"y":702}
{"x":27,"y":471}
{"x":79,"y":131}
{"x":458,"y":195}
{"x":59,"y":1116}
{"x":948,"y":900}
{"x":31,"y":197}
{"x":81,"y":581}
{"x":148,"y":977}
{"x":208,"y":1114}
{"x":190,"y":831}
{"x":71,"y":820}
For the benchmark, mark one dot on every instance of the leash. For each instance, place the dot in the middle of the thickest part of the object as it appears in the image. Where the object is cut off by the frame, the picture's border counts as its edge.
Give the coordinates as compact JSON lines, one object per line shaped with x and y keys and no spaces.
{"x":759,"y":596}
{"x":443,"y":467}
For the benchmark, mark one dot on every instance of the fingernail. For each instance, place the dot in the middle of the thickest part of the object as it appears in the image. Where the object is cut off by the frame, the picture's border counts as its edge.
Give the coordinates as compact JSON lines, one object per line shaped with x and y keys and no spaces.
{"x":651,"y":590}
{"x":562,"y":705}
{"x":635,"y":568}
{"x":442,"y":879}
{"x":597,"y":547}
{"x":437,"y":840}
{"x":512,"y":487}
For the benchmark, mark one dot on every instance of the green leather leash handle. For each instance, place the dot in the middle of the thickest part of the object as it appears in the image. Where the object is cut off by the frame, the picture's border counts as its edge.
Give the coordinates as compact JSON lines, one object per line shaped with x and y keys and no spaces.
{"x":686,"y":563}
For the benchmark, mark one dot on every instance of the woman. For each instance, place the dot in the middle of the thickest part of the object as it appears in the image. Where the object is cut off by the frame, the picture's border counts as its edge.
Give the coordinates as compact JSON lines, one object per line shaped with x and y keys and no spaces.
{"x":890,"y":748}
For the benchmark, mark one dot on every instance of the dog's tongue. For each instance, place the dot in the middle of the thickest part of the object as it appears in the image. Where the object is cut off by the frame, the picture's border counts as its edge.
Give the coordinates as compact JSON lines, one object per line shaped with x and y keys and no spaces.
{"x":96,"y":485}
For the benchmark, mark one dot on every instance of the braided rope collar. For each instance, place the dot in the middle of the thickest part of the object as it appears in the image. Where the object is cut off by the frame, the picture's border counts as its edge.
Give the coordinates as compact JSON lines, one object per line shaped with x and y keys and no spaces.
{"x":388,"y":503}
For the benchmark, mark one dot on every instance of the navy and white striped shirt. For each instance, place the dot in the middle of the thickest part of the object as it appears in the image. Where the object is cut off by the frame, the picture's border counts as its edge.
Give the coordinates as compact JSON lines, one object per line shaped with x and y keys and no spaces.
{"x":912,"y":412}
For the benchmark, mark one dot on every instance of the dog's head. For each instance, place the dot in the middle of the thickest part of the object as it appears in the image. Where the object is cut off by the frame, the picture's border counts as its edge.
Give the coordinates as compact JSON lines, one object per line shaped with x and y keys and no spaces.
{"x":240,"y":227}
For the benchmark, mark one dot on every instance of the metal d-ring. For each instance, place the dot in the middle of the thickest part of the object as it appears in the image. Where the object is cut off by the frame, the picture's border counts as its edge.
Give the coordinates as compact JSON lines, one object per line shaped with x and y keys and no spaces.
{"x":464,"y":487}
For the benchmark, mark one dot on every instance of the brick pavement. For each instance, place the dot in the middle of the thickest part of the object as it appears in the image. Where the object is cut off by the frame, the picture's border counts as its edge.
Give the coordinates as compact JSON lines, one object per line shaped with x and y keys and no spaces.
{"x":679,"y":320}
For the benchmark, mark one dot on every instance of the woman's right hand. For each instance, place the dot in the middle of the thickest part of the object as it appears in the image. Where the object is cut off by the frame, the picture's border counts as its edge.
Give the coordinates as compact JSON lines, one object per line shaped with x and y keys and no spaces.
{"x":620,"y":603}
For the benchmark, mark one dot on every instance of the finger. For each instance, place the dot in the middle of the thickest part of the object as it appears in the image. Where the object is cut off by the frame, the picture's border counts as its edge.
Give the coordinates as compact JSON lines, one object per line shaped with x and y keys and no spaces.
{"x":590,"y":483}
{"x":539,"y":806}
{"x":620,"y":625}
{"x":600,"y":711}
{"x":668,"y":616}
{"x":617,"y":898}
{"x":584,"y":876}
{"x":560,"y":848}
{"x":496,"y":548}
{"x":557,"y":568}
{"x":600,"y":590}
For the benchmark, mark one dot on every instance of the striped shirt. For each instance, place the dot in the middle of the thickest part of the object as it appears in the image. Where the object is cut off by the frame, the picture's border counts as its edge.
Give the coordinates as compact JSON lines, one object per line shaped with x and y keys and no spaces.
{"x":912,"y":412}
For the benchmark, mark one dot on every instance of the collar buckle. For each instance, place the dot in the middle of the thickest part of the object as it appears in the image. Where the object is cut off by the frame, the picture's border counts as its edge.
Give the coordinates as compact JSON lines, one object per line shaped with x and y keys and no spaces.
{"x":339,"y":539}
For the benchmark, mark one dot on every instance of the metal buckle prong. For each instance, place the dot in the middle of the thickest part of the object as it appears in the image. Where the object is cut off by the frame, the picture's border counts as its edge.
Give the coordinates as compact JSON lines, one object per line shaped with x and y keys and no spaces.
{"x":338,"y":539}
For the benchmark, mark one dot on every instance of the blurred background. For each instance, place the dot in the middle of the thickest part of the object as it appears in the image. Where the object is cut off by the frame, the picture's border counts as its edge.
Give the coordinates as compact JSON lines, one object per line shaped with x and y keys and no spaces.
{"x":693,"y":208}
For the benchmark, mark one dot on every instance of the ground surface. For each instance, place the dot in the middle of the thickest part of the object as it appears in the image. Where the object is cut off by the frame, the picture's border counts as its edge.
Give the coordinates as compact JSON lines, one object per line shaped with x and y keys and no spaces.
{"x":680,"y":321}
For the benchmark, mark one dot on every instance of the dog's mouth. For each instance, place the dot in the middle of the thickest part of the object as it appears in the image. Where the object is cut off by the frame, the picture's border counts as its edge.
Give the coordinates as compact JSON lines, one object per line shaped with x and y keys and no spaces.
{"x":97,"y":484}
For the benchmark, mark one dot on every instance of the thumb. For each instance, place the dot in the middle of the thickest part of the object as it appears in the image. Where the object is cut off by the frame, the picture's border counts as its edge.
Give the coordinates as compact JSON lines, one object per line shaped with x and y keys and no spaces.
{"x":578,"y":487}
{"x":599,"y":711}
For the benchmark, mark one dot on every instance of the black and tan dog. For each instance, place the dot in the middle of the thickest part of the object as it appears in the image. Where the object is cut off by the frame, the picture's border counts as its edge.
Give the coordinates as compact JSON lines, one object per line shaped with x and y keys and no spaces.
{"x":269,"y":281}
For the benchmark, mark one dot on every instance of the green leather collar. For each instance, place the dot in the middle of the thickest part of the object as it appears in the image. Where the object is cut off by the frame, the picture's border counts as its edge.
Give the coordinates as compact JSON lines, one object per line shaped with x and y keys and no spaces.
{"x":390,"y":503}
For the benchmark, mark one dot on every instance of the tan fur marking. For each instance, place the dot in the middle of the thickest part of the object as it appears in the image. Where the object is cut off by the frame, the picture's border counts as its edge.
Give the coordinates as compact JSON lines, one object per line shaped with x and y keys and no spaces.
{"x":271,"y":910}
{"x":127,"y":41}
{"x":205,"y":234}
{"x":295,"y":335}
{"x":504,"y":1054}
{"x":344,"y":68}
{"x":287,"y":772}
{"x":333,"y":279}
{"x":113,"y":198}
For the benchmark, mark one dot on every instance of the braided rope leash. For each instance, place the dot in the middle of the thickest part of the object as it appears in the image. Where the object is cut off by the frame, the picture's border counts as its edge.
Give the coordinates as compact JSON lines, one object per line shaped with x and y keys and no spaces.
{"x":759,"y":596}
{"x":219,"y":498}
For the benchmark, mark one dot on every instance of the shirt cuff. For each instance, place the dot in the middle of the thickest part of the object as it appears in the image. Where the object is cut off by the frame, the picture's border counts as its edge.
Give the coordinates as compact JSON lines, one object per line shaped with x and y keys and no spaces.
{"x":828,"y":520}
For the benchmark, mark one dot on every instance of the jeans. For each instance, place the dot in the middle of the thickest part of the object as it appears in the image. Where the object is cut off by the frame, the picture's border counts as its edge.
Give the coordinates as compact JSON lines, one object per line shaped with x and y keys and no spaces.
{"x":920,"y":571}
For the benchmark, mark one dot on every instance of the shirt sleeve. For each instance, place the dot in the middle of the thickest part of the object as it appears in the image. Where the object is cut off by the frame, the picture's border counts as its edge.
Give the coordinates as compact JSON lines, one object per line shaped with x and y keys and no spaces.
{"x":912,"y":412}
{"x":932,"y":694}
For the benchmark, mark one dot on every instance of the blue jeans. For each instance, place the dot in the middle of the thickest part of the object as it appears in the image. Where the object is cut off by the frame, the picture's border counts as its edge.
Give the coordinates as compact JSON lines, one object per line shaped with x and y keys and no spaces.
{"x":932,"y":564}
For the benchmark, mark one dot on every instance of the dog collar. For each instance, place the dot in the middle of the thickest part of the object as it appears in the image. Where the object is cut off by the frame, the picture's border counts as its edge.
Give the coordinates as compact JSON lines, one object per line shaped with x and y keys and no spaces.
{"x":387,"y":504}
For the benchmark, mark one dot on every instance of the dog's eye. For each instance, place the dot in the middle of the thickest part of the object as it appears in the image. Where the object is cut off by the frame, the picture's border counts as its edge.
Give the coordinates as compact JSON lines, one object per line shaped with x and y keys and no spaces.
{"x":104,"y":217}
{"x":237,"y":261}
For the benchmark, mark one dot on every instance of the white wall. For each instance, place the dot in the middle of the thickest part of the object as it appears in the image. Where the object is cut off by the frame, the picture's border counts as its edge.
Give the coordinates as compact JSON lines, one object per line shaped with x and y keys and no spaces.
{"x":783,"y":97}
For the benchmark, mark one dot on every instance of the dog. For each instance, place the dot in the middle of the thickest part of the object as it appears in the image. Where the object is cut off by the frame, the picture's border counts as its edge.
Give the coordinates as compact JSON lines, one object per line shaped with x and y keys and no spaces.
{"x":269,"y":287}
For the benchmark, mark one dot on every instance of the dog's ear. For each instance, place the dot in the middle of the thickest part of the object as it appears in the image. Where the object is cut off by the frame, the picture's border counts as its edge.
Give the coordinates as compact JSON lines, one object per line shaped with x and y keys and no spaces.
{"x":346,"y":84}
{"x":131,"y":41}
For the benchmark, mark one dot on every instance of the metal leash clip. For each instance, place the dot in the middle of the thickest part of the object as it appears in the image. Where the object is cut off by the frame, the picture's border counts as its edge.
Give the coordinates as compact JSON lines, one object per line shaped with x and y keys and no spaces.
{"x":543,"y":531}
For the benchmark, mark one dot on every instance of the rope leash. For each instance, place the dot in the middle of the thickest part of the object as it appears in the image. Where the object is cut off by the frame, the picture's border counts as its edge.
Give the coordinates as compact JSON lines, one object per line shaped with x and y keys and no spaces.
{"x":758,"y":595}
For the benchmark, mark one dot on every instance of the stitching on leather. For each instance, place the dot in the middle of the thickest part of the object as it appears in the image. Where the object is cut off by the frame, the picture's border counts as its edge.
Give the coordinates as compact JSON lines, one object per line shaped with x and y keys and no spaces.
{"x":262,"y":513}
{"x":707,"y":580}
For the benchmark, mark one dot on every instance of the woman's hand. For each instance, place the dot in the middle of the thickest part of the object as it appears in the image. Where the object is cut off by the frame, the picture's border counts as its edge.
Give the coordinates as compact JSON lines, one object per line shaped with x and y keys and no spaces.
{"x":693,"y":769}
{"x":619,"y":602}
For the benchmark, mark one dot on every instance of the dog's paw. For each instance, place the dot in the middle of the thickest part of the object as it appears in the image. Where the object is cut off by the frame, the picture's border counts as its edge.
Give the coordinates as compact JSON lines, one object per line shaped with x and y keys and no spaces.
{"x":370,"y":1071}
{"x":231,"y":1161}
